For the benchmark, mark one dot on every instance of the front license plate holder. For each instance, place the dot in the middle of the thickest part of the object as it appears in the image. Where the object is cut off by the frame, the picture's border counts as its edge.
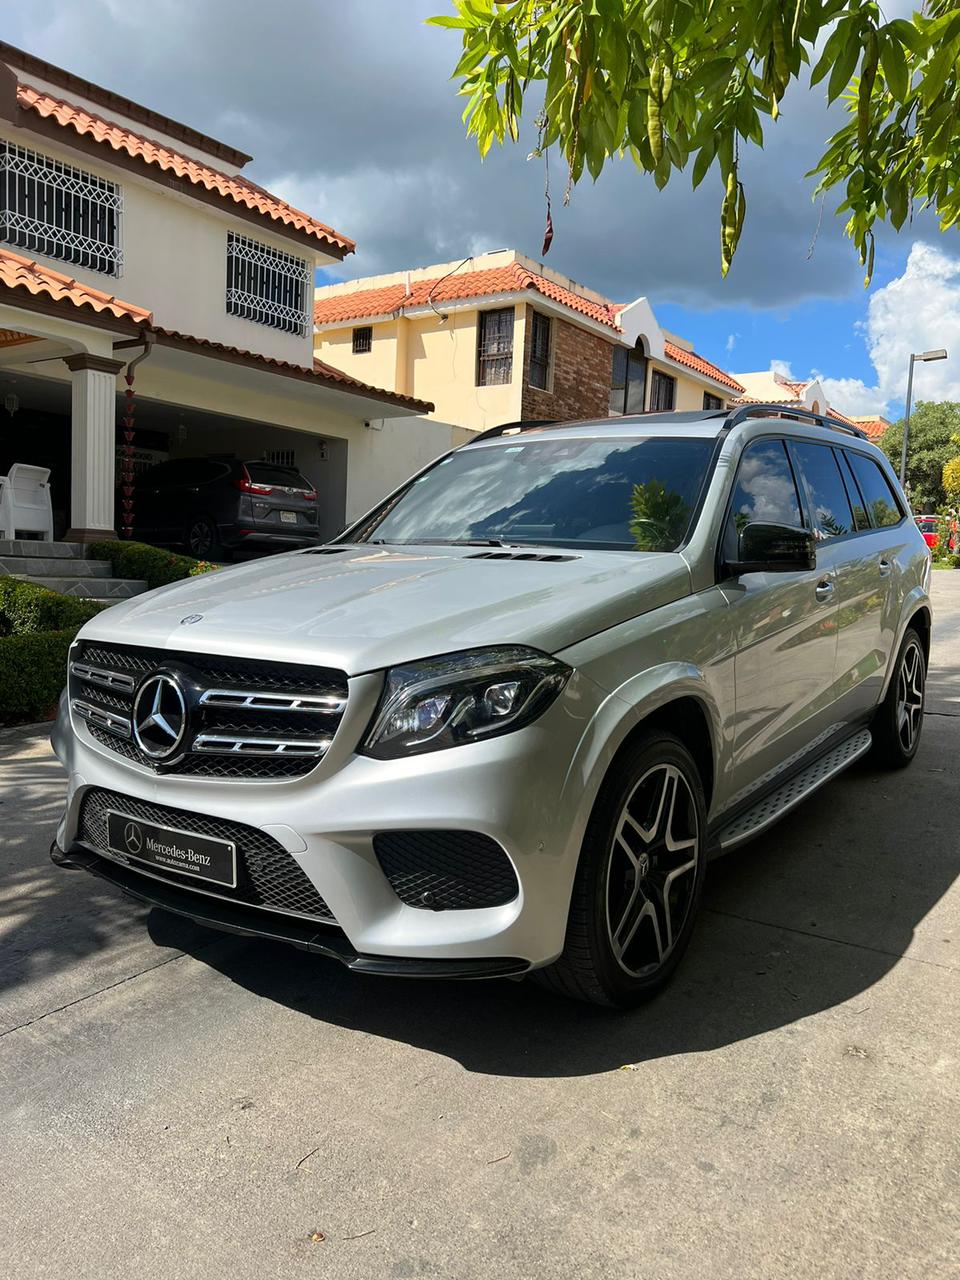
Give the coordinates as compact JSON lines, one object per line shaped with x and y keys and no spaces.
{"x":172,"y":849}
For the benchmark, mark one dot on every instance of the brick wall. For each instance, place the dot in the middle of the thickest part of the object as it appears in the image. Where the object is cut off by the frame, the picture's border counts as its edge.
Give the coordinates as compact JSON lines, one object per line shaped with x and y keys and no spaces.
{"x":581,"y":366}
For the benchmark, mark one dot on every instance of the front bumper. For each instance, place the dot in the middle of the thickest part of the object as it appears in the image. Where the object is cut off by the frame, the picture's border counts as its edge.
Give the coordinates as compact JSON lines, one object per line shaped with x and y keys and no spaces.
{"x":524,"y":790}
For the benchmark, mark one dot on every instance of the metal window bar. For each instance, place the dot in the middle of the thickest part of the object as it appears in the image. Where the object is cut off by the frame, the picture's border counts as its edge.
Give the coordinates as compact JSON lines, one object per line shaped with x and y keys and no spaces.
{"x":363,"y":340}
{"x":663,"y":392}
{"x":495,"y":347}
{"x":540,"y":351}
{"x":266,"y":285}
{"x":59,"y":211}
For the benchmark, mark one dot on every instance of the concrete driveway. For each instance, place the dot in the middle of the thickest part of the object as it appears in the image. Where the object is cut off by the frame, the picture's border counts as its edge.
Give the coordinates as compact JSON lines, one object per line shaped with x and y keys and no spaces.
{"x":175,"y":1103}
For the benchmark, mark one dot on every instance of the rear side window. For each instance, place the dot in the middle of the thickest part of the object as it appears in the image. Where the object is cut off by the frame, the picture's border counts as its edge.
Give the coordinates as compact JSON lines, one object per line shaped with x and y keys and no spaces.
{"x":829,"y":505}
{"x":860,"y":517}
{"x":765,"y":493}
{"x":877,"y":492}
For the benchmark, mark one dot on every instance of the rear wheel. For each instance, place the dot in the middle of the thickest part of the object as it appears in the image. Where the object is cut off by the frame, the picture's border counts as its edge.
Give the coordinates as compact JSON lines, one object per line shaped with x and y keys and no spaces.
{"x":639,"y":881}
{"x":898,"y":723}
{"x":203,"y":539}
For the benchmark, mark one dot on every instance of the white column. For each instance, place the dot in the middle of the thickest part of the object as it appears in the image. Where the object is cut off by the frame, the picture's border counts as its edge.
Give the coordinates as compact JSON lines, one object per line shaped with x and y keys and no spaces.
{"x":94,"y":418}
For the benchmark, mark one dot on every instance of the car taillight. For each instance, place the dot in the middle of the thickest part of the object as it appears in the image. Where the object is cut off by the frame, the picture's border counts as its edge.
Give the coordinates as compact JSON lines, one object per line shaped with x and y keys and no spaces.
{"x":246,"y":485}
{"x":310,"y":495}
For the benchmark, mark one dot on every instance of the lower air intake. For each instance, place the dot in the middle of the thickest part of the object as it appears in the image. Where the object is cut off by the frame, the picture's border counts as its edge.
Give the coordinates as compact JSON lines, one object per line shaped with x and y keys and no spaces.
{"x":446,"y":870}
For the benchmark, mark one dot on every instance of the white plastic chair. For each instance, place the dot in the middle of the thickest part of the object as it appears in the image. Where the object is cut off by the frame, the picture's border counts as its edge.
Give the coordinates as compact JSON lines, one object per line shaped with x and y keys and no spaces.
{"x":25,"y":506}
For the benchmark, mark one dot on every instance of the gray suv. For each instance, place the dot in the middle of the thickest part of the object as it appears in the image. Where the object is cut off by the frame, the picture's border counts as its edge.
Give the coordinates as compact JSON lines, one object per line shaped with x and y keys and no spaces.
{"x":502,"y":722}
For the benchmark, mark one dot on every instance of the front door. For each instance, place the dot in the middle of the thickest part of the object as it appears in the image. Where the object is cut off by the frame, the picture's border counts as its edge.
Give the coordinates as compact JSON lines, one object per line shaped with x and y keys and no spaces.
{"x":785,"y":626}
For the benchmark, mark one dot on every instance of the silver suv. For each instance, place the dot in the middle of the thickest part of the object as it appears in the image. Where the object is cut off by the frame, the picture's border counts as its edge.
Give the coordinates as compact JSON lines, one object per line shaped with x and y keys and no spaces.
{"x":501,"y":723}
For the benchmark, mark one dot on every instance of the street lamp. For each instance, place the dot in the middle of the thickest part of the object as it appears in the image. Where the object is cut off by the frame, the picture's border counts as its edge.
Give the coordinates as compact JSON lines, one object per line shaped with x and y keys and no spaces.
{"x":939,"y":354}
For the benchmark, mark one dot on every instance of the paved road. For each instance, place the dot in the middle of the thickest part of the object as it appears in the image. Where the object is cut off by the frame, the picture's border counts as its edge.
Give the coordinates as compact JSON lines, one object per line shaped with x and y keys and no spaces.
{"x":174,"y":1103}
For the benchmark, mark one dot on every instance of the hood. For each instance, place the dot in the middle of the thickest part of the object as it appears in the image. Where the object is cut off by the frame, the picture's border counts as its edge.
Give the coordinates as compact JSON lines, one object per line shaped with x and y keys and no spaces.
{"x":367,"y":607}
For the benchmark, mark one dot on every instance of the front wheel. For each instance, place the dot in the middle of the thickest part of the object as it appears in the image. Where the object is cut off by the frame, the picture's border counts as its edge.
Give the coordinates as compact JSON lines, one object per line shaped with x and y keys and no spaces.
{"x":639,"y":880}
{"x":899,"y":720}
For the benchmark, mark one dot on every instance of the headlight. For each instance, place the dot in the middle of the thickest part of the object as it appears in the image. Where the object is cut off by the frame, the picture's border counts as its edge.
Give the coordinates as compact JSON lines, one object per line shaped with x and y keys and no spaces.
{"x":460,"y":698}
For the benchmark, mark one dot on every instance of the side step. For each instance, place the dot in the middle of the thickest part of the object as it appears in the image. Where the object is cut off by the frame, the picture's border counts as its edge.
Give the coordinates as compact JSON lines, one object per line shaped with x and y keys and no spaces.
{"x":786,"y":797}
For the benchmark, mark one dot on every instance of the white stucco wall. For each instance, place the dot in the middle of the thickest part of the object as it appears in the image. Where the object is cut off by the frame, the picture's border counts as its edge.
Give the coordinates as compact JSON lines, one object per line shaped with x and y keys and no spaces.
{"x":175,"y":255}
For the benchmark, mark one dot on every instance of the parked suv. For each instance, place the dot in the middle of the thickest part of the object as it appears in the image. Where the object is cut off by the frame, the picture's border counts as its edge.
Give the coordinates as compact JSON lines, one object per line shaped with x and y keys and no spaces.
{"x":210,"y":505}
{"x":501,"y":723}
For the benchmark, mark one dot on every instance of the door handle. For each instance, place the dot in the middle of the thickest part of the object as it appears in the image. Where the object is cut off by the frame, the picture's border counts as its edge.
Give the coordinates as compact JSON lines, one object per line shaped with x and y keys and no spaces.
{"x":885,"y":568}
{"x":824,"y":589}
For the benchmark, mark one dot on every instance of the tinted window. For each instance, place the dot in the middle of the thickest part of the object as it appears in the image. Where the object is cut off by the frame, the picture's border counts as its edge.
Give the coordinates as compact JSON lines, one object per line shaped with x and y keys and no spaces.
{"x":860,"y":517}
{"x":268,"y":473}
{"x":168,"y":474}
{"x":764,"y":493}
{"x":204,"y":471}
{"x":877,"y":493}
{"x":829,"y":506}
{"x":632,"y":494}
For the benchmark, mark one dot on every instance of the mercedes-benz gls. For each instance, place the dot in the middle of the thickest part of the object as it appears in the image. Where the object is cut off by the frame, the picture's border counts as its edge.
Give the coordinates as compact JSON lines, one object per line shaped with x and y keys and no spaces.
{"x":499,"y":725}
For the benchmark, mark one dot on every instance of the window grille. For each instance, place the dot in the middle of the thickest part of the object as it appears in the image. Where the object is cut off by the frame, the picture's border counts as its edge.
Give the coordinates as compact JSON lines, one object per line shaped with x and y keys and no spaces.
{"x":267,"y":285}
{"x":363,"y":340}
{"x":539,"y":350}
{"x":280,"y":457}
{"x":495,"y":347}
{"x":51,"y":208}
{"x":663,"y":392}
{"x":711,"y":401}
{"x":628,"y":381}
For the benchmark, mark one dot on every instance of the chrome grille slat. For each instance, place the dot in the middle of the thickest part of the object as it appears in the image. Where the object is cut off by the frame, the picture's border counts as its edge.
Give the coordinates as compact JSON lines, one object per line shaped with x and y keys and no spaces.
{"x":223,"y":745}
{"x":248,"y":718}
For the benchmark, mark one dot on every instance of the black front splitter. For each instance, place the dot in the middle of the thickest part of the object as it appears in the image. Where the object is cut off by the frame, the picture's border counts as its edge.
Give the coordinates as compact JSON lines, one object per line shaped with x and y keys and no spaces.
{"x":232,"y":917}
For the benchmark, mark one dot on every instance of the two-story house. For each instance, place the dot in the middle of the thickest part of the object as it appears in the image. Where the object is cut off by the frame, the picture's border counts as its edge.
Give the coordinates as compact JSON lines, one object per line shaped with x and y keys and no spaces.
{"x":136,"y":257}
{"x":498,"y":338}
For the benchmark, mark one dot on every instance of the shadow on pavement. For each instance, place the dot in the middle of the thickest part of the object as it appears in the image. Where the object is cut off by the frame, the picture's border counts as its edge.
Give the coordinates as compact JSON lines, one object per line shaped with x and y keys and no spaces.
{"x":805,"y":919}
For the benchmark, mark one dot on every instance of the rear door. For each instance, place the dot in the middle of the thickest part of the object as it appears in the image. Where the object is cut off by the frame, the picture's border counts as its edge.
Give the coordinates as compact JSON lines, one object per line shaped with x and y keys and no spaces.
{"x":785,"y":625}
{"x":869,"y":584}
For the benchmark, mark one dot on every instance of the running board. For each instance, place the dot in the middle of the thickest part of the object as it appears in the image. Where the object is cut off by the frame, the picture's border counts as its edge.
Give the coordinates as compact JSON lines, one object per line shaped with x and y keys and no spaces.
{"x":786,"y":797}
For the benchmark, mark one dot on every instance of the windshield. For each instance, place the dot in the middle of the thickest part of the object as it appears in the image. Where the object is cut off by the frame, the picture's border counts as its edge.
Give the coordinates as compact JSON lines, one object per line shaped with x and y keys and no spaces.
{"x":635,"y":495}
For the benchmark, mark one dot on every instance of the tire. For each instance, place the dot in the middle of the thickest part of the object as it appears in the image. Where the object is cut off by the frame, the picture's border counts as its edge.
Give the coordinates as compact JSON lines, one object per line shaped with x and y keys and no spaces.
{"x":898,"y":723}
{"x":203,"y":539}
{"x":635,"y":901}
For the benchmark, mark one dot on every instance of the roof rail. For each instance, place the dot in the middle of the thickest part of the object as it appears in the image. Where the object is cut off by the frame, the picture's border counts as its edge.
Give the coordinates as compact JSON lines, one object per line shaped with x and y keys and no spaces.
{"x":513,"y":428}
{"x":744,"y":411}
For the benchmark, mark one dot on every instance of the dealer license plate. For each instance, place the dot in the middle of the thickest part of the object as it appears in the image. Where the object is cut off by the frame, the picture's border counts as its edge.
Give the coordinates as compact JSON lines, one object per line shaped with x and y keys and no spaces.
{"x":171,"y":849}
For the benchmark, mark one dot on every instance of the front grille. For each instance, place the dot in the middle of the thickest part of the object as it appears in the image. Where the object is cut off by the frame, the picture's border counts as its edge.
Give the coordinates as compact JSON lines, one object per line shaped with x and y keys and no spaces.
{"x":246,"y":718}
{"x":446,"y":870}
{"x":267,"y":876}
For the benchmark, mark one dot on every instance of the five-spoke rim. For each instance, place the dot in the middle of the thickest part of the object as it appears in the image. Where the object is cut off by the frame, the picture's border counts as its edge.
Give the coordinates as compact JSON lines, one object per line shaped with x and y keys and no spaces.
{"x":910,"y":696}
{"x":652,"y":870}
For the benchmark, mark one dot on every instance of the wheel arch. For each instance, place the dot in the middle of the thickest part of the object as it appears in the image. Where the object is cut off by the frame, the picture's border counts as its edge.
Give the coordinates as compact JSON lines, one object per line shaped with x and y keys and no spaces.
{"x":687,"y":718}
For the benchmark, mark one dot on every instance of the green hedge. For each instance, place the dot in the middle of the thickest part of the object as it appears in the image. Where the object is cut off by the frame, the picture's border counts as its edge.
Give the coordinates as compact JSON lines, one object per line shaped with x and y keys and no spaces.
{"x":33,"y":670}
{"x":153,"y":565}
{"x":26,"y":609}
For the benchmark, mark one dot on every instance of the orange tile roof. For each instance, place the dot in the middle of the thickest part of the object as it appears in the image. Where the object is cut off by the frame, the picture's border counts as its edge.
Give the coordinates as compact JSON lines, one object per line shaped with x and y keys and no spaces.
{"x":457,"y":287}
{"x":17,"y":272}
{"x":234,"y":188}
{"x":692,"y":361}
{"x":872,"y":427}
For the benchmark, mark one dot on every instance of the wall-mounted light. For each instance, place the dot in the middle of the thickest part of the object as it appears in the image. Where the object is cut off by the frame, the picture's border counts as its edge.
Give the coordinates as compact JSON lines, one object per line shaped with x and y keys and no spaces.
{"x":11,"y":402}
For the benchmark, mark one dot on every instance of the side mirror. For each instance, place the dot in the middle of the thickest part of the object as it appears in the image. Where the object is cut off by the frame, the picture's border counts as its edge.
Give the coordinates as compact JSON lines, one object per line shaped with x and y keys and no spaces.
{"x":774,"y":548}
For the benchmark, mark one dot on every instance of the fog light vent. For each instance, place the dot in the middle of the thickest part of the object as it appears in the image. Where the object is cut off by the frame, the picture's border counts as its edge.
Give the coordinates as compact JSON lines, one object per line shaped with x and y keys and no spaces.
{"x":446,"y":870}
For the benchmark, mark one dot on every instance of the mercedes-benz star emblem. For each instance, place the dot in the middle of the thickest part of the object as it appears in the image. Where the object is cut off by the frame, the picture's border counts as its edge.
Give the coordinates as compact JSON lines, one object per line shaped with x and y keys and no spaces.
{"x":133,"y":838}
{"x":159,"y":717}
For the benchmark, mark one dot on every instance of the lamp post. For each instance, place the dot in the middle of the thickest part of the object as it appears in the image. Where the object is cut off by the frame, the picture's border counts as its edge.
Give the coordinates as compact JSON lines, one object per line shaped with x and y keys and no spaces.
{"x":939,"y":354}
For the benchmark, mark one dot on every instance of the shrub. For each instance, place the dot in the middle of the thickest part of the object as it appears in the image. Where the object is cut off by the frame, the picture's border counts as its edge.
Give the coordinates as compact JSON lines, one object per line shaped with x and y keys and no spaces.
{"x":153,"y":565}
{"x":26,"y":609}
{"x":33,"y":670}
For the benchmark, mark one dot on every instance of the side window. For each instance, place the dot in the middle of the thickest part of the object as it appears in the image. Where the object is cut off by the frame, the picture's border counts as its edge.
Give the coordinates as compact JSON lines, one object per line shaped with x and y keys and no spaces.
{"x":765,"y":493}
{"x":860,"y":517}
{"x":829,"y":505}
{"x":881,"y":501}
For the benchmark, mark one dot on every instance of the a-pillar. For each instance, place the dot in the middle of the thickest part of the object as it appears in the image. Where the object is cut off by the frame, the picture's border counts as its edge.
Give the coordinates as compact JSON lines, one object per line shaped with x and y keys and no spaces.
{"x":94,"y":416}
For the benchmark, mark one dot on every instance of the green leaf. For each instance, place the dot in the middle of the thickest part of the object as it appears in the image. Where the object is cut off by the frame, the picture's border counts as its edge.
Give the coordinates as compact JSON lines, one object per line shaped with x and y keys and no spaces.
{"x":894,"y":66}
{"x":831,"y":51}
{"x":448,"y":20}
{"x":843,"y":69}
{"x":701,"y":165}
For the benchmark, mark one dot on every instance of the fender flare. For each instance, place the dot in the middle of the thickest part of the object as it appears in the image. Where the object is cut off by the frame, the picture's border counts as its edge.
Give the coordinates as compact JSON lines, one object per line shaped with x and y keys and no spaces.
{"x":917,"y":601}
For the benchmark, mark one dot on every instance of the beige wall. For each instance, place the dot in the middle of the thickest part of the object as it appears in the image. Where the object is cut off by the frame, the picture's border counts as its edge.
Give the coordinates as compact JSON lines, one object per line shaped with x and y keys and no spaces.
{"x":174,"y":251}
{"x":439,"y":365}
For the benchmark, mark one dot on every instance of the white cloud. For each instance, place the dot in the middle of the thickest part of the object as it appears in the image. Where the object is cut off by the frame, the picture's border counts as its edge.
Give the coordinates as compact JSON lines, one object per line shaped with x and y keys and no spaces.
{"x":916,"y":311}
{"x":783,"y":368}
{"x":732,"y":340}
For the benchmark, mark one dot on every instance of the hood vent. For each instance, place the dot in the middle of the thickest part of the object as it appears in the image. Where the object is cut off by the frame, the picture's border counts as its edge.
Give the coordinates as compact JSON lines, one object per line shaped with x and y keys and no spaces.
{"x":521,"y":555}
{"x":325,"y":551}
